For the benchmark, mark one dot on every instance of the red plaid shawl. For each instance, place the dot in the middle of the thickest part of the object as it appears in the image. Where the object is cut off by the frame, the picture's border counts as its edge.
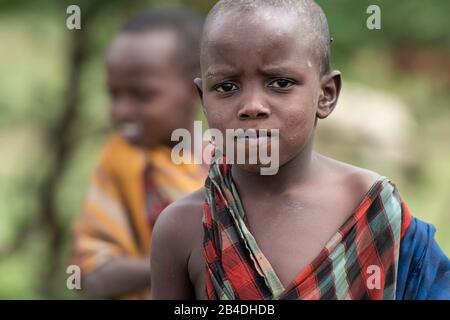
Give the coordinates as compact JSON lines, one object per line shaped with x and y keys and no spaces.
{"x":237,"y":269}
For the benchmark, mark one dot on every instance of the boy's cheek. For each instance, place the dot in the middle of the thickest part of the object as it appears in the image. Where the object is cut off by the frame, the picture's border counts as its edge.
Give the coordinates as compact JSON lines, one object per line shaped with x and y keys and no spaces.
{"x":298,"y":126}
{"x":217,"y":118}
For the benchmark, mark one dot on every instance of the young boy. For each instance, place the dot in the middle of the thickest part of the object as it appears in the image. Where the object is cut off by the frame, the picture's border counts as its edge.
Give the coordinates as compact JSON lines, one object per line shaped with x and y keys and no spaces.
{"x":318,"y":228}
{"x":150,"y":66}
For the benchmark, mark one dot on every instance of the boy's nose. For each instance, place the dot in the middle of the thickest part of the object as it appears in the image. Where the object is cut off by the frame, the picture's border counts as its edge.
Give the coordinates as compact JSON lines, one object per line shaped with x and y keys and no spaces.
{"x":123,"y":110}
{"x":253,"y":109}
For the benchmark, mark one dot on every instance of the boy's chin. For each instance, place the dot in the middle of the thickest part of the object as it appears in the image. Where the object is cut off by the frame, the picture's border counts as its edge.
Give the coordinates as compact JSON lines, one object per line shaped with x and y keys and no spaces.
{"x":141,"y":142}
{"x":259,"y":168}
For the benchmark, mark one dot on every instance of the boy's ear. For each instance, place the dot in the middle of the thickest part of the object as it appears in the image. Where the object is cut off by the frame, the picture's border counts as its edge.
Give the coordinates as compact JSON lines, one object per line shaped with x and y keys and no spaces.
{"x":198,"y":84}
{"x":330,"y":89}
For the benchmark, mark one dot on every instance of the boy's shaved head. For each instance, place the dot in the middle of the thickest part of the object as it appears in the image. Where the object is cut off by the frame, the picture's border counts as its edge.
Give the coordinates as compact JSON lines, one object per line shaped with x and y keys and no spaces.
{"x":186,"y":25}
{"x":149,"y":70}
{"x":310,"y":16}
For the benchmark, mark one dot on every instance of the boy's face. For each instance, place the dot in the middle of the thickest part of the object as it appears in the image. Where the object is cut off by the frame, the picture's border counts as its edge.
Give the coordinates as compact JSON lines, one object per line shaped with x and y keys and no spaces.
{"x":259,"y":71}
{"x":149,"y":93}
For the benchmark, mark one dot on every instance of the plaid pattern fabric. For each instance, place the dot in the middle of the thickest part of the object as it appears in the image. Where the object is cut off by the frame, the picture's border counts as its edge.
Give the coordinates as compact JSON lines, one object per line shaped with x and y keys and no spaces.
{"x":237,"y":269}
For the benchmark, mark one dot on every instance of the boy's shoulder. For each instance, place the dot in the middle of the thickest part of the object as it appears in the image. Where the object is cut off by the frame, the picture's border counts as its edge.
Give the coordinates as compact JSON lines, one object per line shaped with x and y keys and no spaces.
{"x":177,"y":235}
{"x":345,"y":185}
{"x":349,"y":176}
{"x":180,"y":222}
{"x":185,"y":208}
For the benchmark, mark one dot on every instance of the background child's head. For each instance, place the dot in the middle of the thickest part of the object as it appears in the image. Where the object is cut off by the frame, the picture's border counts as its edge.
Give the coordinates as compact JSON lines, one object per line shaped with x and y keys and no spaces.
{"x":265,"y":65}
{"x":150,"y":66}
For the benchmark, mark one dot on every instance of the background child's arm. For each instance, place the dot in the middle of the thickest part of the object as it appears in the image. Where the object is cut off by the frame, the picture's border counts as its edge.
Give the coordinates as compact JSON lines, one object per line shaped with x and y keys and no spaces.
{"x":118,"y":277}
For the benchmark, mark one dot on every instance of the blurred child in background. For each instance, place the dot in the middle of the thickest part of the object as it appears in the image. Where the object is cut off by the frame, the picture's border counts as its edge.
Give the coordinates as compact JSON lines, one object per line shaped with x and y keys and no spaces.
{"x":149,"y":67}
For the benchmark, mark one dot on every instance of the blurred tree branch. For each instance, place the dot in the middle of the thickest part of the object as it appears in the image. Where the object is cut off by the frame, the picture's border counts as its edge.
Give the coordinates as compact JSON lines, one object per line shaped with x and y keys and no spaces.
{"x":62,"y":147}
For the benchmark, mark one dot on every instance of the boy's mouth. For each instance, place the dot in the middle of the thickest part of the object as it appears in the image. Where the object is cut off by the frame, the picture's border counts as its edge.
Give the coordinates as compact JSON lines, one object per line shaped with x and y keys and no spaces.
{"x":130,"y":130}
{"x":255,"y":137}
{"x":256,"y":133}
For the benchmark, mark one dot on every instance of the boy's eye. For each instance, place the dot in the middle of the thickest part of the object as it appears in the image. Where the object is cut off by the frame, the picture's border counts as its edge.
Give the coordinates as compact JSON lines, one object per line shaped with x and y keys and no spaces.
{"x":226,"y":87}
{"x":143,"y":95}
{"x":281,"y":83}
{"x":112,"y":93}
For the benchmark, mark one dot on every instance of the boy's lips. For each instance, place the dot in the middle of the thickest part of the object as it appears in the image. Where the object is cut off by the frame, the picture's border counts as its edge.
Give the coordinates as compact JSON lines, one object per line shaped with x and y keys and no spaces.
{"x":255,"y":137}
{"x":130,"y":130}
{"x":256,"y":133}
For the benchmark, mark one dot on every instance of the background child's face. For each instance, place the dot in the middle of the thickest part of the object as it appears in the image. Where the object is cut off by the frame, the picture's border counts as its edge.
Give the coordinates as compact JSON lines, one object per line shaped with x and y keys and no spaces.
{"x":259,"y":72}
{"x":149,"y":93}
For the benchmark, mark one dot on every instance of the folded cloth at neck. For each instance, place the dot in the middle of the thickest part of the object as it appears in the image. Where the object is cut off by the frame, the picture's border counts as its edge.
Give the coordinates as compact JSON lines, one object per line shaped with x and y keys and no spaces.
{"x":237,"y":269}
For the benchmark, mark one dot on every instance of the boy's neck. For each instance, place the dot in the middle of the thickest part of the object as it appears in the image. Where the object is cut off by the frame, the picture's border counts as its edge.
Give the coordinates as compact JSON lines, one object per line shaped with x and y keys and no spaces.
{"x":291,"y":175}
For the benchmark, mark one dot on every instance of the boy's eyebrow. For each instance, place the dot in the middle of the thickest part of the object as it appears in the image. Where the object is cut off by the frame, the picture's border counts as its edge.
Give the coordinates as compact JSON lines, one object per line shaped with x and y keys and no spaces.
{"x":279,"y":69}
{"x":219,"y":72}
{"x":272,"y":69}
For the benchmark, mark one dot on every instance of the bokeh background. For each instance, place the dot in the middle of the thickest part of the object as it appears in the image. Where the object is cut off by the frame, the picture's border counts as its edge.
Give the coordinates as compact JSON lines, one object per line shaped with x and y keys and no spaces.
{"x":394,"y":117}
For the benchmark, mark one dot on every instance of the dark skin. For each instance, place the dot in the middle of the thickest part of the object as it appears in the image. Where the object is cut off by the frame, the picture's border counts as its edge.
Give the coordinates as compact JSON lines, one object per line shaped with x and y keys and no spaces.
{"x":280,"y":86}
{"x":147,"y":86}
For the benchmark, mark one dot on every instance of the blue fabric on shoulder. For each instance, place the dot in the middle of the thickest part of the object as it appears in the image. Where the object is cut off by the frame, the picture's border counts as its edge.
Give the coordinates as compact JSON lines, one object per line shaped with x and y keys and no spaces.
{"x":423,"y":270}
